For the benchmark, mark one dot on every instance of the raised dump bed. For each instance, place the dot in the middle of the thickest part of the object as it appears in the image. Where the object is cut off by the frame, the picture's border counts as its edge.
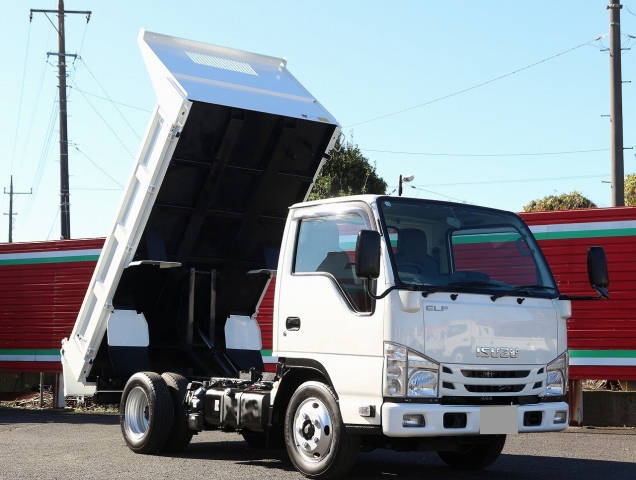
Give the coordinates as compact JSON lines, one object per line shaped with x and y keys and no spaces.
{"x":233,"y":141}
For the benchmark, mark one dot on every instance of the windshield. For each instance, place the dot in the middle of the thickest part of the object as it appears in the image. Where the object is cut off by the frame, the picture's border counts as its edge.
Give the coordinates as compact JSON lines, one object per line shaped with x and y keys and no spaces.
{"x":452,"y":247}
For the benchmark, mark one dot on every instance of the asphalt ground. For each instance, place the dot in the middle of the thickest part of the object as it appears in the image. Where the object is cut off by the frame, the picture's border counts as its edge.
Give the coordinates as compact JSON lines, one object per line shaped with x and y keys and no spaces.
{"x":58,"y":444}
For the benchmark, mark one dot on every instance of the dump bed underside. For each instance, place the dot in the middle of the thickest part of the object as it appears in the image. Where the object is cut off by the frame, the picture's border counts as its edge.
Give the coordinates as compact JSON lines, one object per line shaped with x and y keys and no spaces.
{"x":225,"y":196}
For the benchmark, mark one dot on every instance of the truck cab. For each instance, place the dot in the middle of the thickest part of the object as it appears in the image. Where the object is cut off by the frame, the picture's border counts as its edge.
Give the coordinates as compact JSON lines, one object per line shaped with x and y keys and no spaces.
{"x":461,"y":332}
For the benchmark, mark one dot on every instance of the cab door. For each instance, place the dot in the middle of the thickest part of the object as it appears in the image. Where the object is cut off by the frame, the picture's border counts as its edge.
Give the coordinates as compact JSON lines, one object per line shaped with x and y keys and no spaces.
{"x":324,"y":312}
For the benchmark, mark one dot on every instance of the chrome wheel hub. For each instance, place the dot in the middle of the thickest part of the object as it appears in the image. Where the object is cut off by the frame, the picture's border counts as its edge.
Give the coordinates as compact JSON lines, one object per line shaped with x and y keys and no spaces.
{"x":313,"y":430}
{"x":136,"y":414}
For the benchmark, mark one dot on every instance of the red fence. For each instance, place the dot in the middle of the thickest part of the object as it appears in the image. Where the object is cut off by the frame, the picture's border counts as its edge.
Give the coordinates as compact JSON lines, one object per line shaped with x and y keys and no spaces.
{"x":42,"y":286}
{"x":601,"y":334}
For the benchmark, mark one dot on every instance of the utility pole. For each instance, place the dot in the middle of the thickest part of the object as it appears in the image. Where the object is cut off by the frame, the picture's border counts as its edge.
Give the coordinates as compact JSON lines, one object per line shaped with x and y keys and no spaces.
{"x":11,"y":213}
{"x":616,"y":105}
{"x":65,"y":212}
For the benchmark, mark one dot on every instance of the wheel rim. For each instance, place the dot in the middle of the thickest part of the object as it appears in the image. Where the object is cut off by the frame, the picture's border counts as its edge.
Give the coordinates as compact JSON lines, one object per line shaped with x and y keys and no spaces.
{"x":313,"y":430}
{"x":136,"y":414}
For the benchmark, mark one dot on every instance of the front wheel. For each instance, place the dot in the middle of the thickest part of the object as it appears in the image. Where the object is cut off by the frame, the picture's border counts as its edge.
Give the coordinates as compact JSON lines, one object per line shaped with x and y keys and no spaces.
{"x":315,"y":436}
{"x":475,"y":457}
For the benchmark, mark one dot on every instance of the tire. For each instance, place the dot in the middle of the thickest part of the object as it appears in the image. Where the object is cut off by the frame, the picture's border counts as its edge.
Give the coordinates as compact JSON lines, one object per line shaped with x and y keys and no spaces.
{"x":146,"y":413}
{"x":180,"y":435}
{"x":475,"y":457}
{"x":313,"y":414}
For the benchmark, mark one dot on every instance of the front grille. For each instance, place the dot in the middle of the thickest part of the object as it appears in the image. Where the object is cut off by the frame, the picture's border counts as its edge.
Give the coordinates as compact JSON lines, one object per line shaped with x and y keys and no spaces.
{"x":495,"y":373}
{"x":494,"y":388}
{"x":486,"y":400}
{"x":491,"y":380}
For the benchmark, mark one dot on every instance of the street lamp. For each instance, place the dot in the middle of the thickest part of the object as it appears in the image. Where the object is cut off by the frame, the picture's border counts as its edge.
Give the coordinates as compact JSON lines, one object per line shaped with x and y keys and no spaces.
{"x":404,"y":179}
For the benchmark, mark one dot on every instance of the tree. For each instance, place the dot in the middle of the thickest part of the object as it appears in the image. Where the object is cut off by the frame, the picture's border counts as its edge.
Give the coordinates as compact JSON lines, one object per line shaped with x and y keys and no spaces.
{"x":630,"y":190}
{"x":565,"y":201}
{"x":347,"y":172}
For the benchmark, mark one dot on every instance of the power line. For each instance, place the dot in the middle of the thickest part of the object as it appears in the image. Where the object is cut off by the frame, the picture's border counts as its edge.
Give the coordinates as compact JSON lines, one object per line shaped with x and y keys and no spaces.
{"x":44,"y":153}
{"x":79,"y":51}
{"x":17,"y":123}
{"x":36,"y":104}
{"x":112,"y":130}
{"x":123,"y":117}
{"x":98,"y":167}
{"x":46,"y":146}
{"x":123,"y":104}
{"x":438,"y":194}
{"x":513,"y":154}
{"x":516,"y":180}
{"x":477,"y":85}
{"x":48,"y":235}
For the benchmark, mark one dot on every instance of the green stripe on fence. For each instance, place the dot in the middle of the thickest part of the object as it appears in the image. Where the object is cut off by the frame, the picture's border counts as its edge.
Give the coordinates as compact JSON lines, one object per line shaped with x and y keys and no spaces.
{"x":603,"y":353}
{"x":31,"y":261}
{"x":29,"y":352}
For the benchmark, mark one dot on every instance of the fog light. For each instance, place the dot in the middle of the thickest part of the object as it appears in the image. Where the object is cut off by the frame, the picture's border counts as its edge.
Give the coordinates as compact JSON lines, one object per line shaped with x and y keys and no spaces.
{"x":413,"y":420}
{"x":560,"y":417}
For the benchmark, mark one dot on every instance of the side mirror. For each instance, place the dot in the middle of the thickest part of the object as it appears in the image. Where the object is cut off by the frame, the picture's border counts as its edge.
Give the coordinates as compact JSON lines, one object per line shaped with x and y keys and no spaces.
{"x":368,"y":254}
{"x":597,"y":270}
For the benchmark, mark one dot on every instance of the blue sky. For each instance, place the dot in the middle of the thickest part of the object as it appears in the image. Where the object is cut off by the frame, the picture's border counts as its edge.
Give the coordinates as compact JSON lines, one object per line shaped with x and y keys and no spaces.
{"x":361,"y":59}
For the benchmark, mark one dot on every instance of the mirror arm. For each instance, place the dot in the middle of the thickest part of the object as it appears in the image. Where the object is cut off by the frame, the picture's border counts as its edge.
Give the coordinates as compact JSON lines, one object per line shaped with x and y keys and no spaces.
{"x":377,"y":297}
{"x":580,"y":297}
{"x":602,"y":295}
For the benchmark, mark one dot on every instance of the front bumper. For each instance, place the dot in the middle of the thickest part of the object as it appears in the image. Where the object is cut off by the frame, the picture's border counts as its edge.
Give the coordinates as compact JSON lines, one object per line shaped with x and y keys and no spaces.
{"x":393,"y":417}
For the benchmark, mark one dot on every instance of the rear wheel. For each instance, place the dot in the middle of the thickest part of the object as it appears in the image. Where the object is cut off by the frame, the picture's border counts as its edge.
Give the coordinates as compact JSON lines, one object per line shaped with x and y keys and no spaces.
{"x":180,"y":434}
{"x":475,"y":457}
{"x":146,"y":412}
{"x":315,"y":436}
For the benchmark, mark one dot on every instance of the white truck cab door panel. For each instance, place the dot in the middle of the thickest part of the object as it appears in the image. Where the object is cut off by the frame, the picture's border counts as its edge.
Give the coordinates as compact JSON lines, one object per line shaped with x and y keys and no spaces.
{"x":324,"y":312}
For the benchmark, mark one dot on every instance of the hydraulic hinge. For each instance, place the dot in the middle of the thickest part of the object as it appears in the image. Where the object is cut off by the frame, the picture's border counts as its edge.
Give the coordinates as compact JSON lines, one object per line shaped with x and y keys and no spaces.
{"x":175,"y":131}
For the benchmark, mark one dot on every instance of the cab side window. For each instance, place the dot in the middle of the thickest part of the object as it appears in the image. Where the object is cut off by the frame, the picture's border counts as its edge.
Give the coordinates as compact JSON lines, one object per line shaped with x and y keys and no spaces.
{"x":326,"y":244}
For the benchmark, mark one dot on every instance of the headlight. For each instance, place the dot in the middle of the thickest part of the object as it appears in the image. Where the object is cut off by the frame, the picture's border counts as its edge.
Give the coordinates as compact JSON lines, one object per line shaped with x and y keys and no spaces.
{"x":557,"y":376}
{"x":408,"y":373}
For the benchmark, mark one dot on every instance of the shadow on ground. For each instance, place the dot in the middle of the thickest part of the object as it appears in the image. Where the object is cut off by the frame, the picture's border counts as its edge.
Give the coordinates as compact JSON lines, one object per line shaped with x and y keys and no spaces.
{"x":238,"y":452}
{"x":379,"y":464}
{"x":18,"y":415}
{"x":385,"y":464}
{"x":382,"y":464}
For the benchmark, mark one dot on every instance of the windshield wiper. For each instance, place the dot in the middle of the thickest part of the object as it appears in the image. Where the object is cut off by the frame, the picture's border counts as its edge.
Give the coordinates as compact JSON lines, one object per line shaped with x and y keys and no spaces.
{"x":427,"y":289}
{"x":520,"y":290}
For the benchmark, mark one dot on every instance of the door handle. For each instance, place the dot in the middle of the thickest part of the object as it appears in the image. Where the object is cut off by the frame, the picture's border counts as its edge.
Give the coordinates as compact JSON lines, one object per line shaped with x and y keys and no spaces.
{"x":292,"y":323}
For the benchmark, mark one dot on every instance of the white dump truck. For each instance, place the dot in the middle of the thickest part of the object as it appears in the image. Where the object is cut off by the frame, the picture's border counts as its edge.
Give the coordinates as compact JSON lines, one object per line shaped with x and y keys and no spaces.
{"x":398,"y":322}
